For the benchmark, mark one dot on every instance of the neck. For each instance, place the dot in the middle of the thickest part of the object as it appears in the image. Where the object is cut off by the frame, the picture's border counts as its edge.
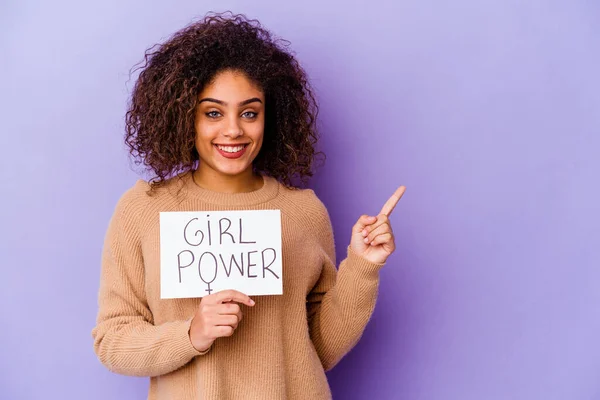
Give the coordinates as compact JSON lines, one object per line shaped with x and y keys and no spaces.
{"x":212,"y":180}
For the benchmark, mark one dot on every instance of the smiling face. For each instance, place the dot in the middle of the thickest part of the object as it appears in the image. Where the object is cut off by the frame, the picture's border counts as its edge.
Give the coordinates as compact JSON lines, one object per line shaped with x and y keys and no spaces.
{"x":229,"y":124}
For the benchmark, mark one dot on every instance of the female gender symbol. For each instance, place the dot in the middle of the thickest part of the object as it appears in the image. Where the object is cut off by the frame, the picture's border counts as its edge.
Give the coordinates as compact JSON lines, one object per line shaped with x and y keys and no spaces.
{"x":209,"y":290}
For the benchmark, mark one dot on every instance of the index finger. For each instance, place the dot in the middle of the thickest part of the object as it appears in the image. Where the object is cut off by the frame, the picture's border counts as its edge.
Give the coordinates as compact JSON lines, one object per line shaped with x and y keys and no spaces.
{"x":389,"y":205}
{"x":233,"y":295}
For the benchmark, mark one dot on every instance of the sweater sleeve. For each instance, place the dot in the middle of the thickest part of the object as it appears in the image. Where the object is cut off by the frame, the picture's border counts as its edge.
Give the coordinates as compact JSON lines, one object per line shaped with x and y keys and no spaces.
{"x":342,"y":301}
{"x":125,"y":338}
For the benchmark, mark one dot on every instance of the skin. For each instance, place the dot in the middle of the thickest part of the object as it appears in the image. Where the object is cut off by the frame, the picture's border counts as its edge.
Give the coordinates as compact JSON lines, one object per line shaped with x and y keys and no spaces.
{"x":231,"y":111}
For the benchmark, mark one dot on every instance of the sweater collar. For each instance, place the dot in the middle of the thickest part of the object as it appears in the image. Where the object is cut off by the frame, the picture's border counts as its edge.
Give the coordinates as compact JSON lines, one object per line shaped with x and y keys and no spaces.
{"x":268,"y":191}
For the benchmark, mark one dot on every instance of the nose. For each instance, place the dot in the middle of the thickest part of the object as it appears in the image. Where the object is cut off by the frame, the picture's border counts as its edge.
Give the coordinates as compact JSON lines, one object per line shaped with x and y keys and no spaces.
{"x":233,"y":129}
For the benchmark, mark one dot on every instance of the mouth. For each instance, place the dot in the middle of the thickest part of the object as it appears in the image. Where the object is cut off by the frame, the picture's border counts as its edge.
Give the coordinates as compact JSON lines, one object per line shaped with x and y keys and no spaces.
{"x":231,"y":151}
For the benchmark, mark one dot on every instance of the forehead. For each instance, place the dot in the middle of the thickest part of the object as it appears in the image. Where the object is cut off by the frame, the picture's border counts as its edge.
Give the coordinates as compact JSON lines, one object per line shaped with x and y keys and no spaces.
{"x":232,"y":85}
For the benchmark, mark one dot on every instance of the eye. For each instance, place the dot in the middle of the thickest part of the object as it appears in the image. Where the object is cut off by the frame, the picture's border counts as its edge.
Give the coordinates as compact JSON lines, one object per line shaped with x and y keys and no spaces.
{"x":213,"y":114}
{"x":249,"y":114}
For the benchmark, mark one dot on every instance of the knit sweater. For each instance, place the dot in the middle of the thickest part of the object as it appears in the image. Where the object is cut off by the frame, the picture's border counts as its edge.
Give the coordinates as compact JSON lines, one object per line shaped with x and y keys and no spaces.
{"x":284,"y":344}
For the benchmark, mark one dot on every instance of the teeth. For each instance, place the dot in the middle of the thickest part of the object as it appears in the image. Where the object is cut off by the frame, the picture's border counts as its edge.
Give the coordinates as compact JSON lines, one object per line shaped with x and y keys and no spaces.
{"x":230,"y":149}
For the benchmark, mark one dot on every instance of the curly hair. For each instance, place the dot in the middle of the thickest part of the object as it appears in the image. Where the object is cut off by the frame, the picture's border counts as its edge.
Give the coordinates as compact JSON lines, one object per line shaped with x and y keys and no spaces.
{"x":159,"y":122}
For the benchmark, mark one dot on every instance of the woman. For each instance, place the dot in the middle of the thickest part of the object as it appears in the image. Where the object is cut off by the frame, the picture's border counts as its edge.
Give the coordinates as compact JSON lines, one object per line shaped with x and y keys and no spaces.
{"x":224,"y":118}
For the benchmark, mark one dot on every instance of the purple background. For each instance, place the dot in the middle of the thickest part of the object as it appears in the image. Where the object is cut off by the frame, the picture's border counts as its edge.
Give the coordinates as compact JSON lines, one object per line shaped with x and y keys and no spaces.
{"x":489,"y":112}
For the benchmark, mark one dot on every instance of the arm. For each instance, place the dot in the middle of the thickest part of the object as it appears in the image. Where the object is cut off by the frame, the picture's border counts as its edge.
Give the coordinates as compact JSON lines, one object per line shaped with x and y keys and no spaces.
{"x":125,"y":337}
{"x":341,"y":303}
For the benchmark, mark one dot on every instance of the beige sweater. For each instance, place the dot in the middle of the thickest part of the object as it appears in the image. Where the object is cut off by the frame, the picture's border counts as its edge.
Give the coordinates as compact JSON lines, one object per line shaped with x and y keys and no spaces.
{"x":284,"y":344}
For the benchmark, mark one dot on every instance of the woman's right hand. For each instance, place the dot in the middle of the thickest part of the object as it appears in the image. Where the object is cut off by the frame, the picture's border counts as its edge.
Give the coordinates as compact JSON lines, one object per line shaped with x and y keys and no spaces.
{"x":218,"y":315}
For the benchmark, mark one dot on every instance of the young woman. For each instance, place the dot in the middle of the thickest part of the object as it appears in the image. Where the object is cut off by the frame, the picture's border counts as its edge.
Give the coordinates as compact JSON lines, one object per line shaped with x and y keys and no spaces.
{"x":224,"y":118}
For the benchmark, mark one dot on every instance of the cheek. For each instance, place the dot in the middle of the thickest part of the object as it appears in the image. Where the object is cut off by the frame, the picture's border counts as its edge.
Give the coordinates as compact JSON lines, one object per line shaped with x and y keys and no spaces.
{"x":258,"y":140}
{"x":257,"y":134}
{"x":260,"y":137}
{"x":204,"y":136}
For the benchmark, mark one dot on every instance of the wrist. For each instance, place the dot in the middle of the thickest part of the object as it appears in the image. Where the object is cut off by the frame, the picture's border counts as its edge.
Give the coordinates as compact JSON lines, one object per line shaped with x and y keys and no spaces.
{"x":201,"y":346}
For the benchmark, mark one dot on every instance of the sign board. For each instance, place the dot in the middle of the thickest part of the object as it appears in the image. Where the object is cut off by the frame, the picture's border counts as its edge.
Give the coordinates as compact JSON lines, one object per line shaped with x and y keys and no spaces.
{"x":204,"y":252}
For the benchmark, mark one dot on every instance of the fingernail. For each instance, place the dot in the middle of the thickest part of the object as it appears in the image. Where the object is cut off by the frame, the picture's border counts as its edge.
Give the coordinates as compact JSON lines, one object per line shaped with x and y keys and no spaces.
{"x":252,"y":302}
{"x":366,"y":240}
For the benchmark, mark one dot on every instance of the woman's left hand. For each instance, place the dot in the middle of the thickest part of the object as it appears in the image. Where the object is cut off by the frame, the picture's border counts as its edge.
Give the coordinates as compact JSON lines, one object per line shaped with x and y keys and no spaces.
{"x":372,"y":237}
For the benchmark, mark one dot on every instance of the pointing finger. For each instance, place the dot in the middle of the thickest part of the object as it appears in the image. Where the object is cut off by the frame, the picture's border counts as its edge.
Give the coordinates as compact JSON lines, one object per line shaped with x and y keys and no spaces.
{"x":389,"y":205}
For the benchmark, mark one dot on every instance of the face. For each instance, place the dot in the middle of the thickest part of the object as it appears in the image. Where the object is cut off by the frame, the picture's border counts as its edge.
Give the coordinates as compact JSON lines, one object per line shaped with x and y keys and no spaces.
{"x":229,"y":124}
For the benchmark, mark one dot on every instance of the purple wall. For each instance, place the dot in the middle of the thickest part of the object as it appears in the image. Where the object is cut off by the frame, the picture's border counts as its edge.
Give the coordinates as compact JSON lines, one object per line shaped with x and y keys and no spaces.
{"x":488,"y":113}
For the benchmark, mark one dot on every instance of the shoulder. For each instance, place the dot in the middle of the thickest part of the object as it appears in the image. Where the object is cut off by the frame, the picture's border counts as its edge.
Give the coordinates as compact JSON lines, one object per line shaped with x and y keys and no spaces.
{"x":139,"y":198}
{"x":141,"y":195}
{"x":309,"y":214}
{"x":130,"y":216}
{"x":130,"y":205}
{"x":133,"y":199}
{"x":305,"y":205}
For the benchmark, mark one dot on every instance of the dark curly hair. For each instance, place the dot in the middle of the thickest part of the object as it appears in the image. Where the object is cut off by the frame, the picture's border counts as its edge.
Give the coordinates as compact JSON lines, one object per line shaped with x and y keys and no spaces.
{"x":159,"y":122}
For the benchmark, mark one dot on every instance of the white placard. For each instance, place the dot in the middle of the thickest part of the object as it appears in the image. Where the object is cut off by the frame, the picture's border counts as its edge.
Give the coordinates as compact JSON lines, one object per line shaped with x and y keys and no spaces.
{"x":204,"y":252}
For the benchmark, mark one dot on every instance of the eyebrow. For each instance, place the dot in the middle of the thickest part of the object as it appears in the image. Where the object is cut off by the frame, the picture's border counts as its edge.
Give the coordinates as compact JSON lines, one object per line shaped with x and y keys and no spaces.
{"x":221,"y":102}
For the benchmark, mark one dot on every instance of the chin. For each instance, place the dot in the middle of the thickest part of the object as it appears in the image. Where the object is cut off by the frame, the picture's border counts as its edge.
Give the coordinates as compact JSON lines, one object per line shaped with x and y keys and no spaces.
{"x":232,"y":170}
